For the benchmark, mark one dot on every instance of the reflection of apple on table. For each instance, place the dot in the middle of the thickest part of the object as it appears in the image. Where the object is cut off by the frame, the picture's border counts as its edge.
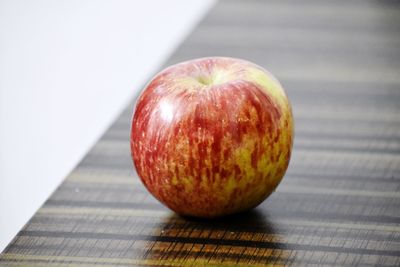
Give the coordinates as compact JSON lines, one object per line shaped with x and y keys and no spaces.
{"x":212,"y":136}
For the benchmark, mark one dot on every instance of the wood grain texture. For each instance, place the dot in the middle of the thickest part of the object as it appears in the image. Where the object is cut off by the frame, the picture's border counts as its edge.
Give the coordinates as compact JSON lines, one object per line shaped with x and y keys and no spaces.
{"x":338,"y":204}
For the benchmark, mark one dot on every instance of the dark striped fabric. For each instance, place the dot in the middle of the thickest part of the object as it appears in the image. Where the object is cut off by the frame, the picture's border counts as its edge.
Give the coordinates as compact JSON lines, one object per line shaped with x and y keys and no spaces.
{"x":339,"y":203}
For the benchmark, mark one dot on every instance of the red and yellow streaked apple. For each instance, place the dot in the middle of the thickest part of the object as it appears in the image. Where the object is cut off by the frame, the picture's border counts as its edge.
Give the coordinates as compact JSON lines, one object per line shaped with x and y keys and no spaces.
{"x":212,"y":136}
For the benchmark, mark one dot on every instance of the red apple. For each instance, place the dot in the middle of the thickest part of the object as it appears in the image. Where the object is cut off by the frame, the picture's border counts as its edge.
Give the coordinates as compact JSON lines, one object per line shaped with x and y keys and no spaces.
{"x":212,"y":136}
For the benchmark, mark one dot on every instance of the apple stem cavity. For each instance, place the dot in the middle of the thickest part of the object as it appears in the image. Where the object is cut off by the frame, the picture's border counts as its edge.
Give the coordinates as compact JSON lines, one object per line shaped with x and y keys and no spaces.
{"x":205,"y":80}
{"x":215,"y":78}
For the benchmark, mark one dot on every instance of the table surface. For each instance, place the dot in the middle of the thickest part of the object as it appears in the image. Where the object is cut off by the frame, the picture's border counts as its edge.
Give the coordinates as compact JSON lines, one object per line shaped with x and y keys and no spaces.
{"x":339,"y":201}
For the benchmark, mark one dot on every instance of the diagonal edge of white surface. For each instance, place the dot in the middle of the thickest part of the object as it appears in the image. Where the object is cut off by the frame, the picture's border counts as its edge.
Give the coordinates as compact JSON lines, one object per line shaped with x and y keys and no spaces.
{"x":67,"y":69}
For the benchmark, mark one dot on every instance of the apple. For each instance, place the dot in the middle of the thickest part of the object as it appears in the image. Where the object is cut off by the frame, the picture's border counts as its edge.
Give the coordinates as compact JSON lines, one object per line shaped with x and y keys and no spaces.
{"x":212,"y":136}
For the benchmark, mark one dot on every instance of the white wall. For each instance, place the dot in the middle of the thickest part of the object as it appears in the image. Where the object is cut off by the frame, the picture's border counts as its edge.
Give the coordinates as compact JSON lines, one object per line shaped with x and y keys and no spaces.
{"x":67,"y":68}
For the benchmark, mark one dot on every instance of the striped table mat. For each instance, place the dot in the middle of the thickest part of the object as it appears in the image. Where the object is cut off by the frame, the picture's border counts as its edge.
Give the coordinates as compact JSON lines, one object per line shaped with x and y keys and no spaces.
{"x":339,"y":203}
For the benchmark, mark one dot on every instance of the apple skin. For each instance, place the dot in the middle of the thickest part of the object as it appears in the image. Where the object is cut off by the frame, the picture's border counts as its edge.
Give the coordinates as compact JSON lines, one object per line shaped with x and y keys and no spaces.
{"x":212,"y":136}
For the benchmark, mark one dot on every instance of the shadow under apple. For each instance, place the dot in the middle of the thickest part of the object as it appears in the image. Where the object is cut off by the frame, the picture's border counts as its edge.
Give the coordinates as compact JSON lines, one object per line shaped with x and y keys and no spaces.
{"x":247,"y":237}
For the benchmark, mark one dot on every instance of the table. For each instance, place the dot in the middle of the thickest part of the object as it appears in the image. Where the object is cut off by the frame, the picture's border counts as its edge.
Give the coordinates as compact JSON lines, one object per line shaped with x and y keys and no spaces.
{"x":339,"y":201}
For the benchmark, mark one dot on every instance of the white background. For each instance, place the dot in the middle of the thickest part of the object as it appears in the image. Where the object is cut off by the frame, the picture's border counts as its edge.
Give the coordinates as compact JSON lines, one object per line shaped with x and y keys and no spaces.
{"x":67,"y":68}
